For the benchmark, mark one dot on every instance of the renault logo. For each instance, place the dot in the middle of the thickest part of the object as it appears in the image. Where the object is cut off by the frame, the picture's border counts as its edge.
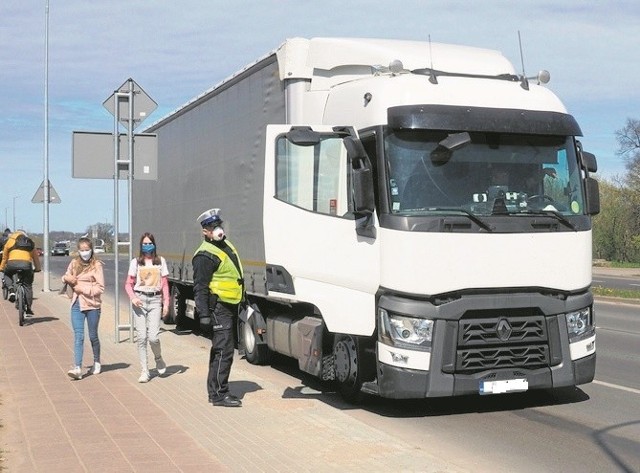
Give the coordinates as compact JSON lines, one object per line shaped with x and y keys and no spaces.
{"x":503,"y":330}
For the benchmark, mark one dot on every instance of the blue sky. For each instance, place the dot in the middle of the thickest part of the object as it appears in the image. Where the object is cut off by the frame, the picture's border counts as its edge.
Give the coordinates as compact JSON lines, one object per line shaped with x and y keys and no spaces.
{"x":175,"y":50}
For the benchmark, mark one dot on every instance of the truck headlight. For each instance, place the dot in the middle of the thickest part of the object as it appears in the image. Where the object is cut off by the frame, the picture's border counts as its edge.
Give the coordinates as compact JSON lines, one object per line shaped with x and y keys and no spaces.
{"x":579,"y":322}
{"x":402,"y":330}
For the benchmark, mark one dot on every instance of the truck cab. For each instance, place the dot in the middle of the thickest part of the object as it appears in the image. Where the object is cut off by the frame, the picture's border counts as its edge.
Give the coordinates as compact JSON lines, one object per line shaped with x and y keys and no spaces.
{"x":414,"y":219}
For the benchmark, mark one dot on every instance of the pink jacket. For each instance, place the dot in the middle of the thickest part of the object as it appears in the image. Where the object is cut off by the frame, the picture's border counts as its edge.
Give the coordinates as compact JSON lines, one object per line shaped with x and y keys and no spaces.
{"x":89,"y":287}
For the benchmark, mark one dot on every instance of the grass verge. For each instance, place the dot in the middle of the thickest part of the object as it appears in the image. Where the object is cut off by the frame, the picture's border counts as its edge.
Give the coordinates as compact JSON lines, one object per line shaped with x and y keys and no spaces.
{"x":621,"y":293}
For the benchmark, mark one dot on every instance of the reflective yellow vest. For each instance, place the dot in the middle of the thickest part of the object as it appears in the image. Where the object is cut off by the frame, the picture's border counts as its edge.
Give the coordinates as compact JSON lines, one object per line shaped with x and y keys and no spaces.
{"x":225,"y":282}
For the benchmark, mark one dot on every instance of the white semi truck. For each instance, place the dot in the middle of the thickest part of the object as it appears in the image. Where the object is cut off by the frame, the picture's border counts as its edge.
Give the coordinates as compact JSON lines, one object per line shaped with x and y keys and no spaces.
{"x":414,"y":219}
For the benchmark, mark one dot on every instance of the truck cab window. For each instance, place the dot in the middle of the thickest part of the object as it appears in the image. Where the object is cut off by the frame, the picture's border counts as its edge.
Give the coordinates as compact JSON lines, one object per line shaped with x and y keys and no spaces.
{"x":313,"y":177}
{"x":528,"y":173}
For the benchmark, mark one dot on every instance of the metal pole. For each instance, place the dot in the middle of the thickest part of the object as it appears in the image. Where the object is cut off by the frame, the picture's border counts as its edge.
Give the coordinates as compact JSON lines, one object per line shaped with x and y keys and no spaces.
{"x":45,"y":284}
{"x":130,"y":193}
{"x":116,"y":203}
{"x":14,"y":212}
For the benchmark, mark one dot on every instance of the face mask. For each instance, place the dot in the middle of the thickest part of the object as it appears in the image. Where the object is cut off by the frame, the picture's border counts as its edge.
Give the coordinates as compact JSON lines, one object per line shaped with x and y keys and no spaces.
{"x":148,"y":247}
{"x":218,"y":234}
{"x":85,"y":255}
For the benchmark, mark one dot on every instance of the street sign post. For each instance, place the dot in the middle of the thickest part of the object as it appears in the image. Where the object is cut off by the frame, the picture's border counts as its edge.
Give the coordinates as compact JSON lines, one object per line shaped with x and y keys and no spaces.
{"x":130,"y":106}
{"x":143,"y":105}
{"x":38,"y":197}
{"x":93,"y":156}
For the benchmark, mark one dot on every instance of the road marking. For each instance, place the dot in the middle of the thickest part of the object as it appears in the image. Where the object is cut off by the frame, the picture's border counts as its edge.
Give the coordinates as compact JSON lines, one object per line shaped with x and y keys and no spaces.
{"x":617,"y":386}
{"x":631,"y":284}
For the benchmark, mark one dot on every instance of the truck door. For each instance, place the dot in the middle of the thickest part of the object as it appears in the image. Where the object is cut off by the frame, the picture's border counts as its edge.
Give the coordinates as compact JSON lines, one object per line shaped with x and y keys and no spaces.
{"x":313,"y":252}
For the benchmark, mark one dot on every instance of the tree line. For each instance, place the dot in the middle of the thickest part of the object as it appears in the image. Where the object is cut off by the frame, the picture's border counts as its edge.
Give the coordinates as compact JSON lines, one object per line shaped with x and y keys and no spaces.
{"x":616,"y":230}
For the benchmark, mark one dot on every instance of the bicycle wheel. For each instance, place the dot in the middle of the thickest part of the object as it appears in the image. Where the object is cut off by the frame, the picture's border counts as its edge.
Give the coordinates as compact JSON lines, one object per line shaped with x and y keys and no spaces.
{"x":20,"y":302}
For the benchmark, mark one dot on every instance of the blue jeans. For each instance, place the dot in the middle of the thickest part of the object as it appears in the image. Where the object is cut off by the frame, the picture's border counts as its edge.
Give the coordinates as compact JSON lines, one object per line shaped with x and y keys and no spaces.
{"x":77,"y":322}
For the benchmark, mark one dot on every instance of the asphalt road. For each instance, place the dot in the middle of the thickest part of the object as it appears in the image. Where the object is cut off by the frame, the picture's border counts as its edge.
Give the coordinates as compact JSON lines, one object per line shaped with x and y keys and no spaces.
{"x":593,"y":428}
{"x":616,"y":282}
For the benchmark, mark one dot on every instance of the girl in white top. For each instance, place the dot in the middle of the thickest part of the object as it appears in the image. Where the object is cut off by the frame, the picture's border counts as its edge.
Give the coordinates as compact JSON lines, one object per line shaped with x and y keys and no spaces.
{"x":148,"y":289}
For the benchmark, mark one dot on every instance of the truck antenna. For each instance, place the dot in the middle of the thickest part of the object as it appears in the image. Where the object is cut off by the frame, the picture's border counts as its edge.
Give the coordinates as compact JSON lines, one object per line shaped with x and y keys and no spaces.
{"x":524,"y":83}
{"x":432,"y":77}
{"x":521,"y":55}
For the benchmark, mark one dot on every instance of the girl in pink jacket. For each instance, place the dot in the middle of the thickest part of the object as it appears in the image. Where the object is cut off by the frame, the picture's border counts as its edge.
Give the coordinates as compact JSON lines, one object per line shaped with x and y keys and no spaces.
{"x":85,"y":276}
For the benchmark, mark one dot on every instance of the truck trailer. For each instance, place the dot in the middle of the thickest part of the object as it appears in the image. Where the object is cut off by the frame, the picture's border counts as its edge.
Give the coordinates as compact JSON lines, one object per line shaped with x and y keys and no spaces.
{"x":413,"y":218}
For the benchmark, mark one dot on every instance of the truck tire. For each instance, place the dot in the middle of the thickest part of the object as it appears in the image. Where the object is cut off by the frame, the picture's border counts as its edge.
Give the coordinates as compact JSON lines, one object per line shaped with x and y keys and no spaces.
{"x":354,"y":361}
{"x":176,"y":306}
{"x":255,"y":353}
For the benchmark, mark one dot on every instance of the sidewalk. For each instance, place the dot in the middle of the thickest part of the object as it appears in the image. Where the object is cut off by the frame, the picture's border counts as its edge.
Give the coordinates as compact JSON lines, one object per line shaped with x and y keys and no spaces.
{"x":109,"y":422}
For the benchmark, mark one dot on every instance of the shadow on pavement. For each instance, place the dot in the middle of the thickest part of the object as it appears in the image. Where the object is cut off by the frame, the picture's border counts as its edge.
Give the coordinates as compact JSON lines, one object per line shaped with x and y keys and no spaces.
{"x":38,"y":320}
{"x":240,"y":388}
{"x":174,"y":369}
{"x":115,"y":366}
{"x":313,"y":388}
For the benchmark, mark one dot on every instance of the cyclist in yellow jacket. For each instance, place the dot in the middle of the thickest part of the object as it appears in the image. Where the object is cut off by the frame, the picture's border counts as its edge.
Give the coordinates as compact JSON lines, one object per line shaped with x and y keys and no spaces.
{"x":19,"y":255}
{"x":218,"y":289}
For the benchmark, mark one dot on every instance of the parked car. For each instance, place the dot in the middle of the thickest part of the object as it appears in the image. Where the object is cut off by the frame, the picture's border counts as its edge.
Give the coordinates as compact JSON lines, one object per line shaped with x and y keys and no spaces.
{"x":60,"y":249}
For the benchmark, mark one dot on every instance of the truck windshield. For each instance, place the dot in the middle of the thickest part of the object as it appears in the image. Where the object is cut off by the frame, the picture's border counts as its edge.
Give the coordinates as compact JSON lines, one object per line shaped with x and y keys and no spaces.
{"x":490,"y":174}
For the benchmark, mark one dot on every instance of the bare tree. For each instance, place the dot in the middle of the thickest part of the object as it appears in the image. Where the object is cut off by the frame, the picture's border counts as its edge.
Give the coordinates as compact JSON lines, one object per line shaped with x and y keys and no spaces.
{"x":101,"y":231}
{"x":628,"y":139}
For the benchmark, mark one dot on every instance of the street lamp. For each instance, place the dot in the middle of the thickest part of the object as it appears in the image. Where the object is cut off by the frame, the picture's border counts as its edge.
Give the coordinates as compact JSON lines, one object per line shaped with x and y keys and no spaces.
{"x":14,"y":212}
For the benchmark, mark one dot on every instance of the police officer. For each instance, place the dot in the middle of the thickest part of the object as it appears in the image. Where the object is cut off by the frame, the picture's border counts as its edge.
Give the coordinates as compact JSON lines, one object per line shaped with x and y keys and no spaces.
{"x":217,"y":278}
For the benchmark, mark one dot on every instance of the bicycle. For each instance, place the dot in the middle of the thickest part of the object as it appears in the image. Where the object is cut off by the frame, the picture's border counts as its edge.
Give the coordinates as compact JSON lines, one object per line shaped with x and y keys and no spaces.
{"x":21,"y":296}
{"x":5,"y":288}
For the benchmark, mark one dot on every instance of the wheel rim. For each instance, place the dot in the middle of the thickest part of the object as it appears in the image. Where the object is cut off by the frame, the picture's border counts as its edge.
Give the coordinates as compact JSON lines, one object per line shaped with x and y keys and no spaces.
{"x":346,"y":361}
{"x":249,"y":338}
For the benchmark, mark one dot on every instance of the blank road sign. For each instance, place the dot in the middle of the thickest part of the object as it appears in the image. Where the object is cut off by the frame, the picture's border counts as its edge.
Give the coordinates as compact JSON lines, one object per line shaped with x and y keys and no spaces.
{"x":93,"y":156}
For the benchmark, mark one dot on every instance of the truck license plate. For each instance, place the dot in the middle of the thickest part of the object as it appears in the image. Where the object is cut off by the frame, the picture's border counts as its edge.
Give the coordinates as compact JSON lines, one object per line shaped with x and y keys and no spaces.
{"x":503,"y":386}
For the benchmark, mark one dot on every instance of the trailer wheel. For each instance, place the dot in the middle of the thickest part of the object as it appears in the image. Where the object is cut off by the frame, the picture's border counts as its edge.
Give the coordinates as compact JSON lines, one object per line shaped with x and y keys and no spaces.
{"x":353,"y":366}
{"x":256,"y":353}
{"x":176,"y":307}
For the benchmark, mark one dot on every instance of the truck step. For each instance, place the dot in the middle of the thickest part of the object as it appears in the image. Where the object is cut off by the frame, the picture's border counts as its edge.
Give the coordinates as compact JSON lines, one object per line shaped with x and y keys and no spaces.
{"x":370,"y":387}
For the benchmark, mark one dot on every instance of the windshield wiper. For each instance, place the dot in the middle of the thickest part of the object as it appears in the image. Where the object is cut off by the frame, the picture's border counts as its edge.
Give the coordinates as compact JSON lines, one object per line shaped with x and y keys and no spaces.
{"x":478,"y":221}
{"x":561,"y":218}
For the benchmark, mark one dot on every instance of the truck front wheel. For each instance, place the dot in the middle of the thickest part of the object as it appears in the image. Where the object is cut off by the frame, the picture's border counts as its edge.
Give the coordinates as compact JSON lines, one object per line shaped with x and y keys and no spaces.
{"x":353,"y":365}
{"x":255,"y":352}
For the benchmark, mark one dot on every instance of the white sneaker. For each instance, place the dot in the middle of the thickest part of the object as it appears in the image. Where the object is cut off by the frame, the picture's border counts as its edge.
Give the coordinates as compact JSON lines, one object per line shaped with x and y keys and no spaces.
{"x":97,"y":368}
{"x":161,"y":366}
{"x":75,"y":373}
{"x":144,"y":377}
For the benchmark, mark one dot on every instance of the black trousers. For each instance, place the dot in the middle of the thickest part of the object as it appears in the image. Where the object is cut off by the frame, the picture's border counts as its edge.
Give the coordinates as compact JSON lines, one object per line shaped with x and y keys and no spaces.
{"x":222,"y":346}
{"x":26,"y":273}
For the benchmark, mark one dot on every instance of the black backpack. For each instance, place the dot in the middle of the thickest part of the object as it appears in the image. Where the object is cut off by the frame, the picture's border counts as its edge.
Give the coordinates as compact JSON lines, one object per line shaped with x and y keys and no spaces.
{"x":23,"y":242}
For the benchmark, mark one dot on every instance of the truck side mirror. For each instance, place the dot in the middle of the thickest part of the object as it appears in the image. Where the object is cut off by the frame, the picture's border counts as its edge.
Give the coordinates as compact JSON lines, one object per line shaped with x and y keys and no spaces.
{"x":592,"y":191}
{"x":589,"y":161}
{"x":362,"y":179}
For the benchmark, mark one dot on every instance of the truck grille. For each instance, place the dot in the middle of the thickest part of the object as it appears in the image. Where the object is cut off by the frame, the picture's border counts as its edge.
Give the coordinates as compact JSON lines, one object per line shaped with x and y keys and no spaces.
{"x":487,"y":331}
{"x":501,"y":342}
{"x":479,"y":359}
